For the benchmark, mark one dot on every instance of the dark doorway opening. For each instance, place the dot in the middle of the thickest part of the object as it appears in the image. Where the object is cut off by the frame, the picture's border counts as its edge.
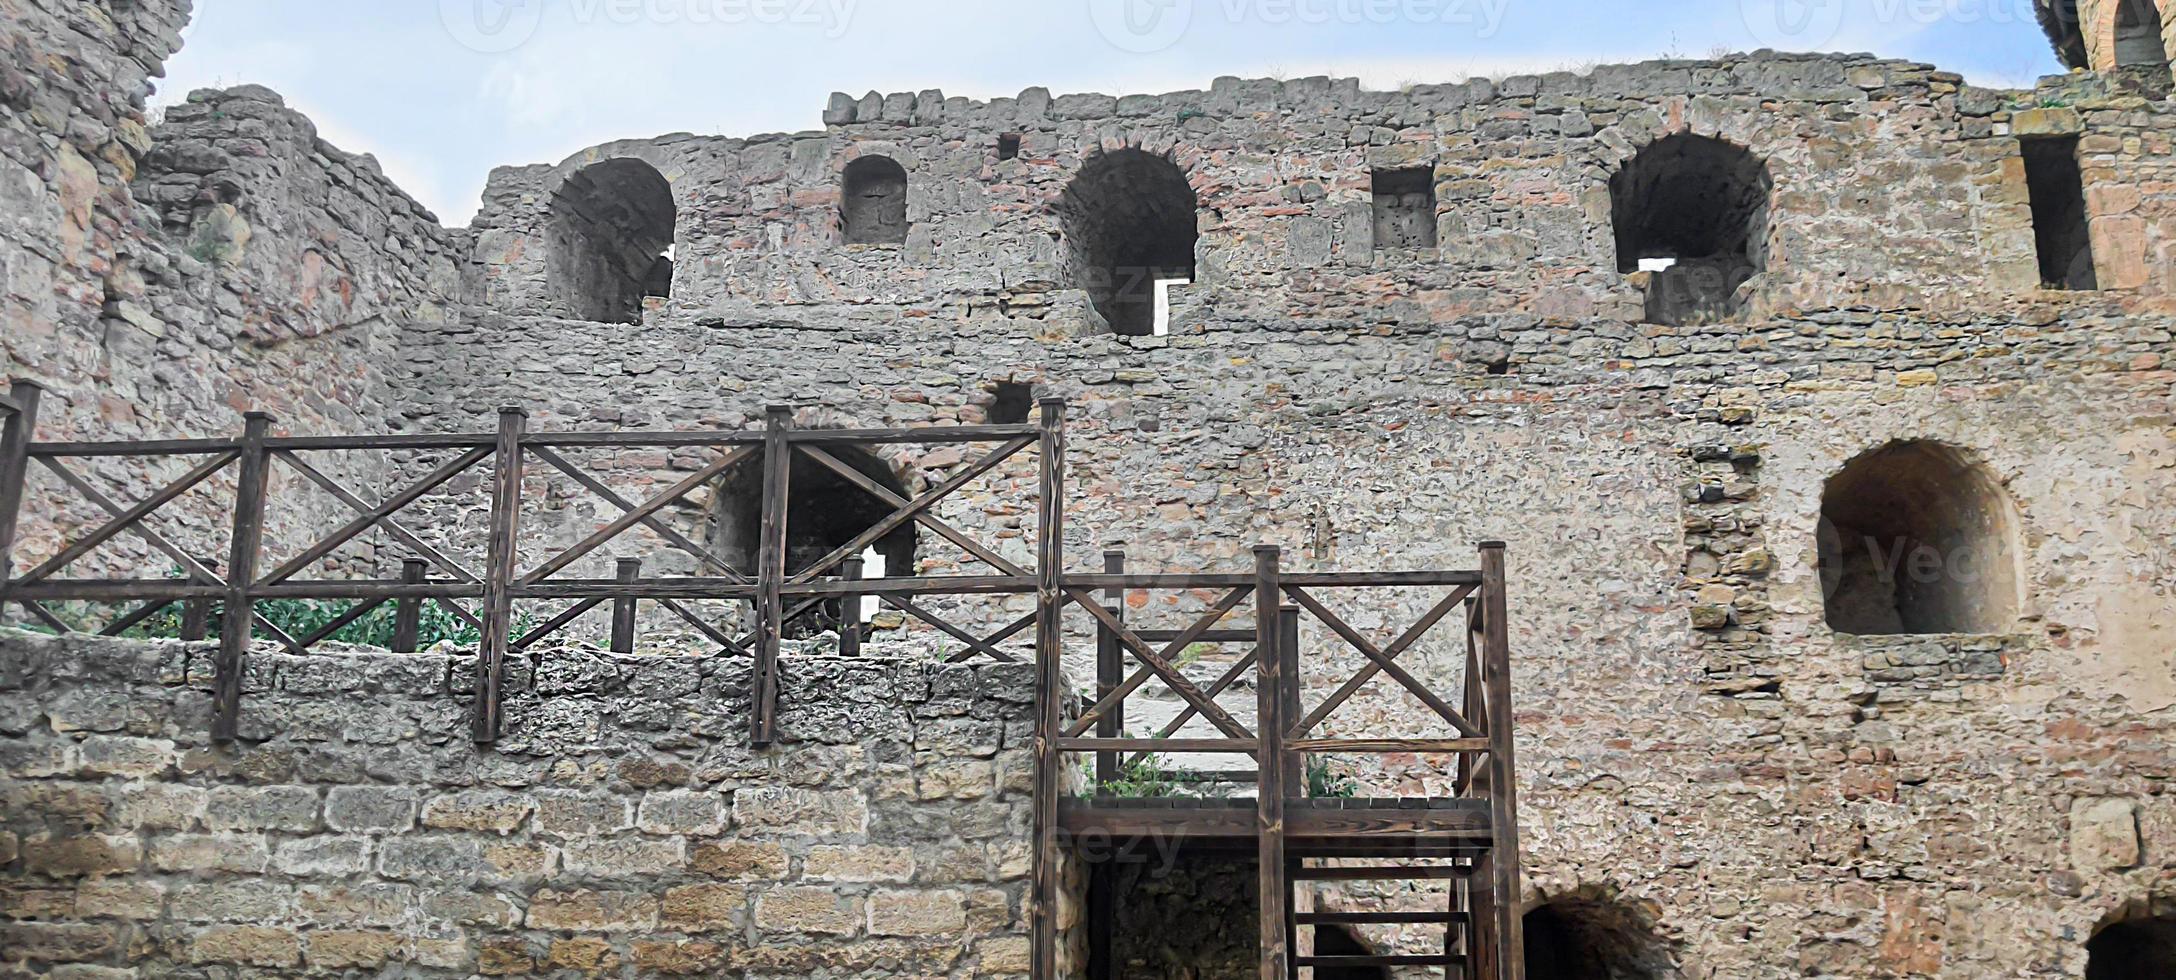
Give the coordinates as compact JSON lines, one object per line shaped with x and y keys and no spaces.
{"x":1130,"y":220}
{"x":1693,"y":213}
{"x":611,"y":225}
{"x":2138,"y":949}
{"x":825,"y":511}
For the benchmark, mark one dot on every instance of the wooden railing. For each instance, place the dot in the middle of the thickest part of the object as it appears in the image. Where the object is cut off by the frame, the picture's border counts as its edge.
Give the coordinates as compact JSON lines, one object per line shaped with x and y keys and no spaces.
{"x":1285,"y":731}
{"x":484,"y":598}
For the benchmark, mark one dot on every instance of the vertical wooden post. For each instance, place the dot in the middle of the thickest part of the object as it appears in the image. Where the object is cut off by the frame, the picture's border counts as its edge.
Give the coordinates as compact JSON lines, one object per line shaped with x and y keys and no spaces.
{"x":623,"y":608}
{"x":408,"y":610}
{"x":850,"y":610}
{"x":1503,"y":771}
{"x":16,"y":432}
{"x":196,"y":614}
{"x":1110,"y":669}
{"x":1288,"y":655}
{"x":771,"y":574}
{"x":238,"y":620}
{"x":1049,"y":678}
{"x":1102,"y":877}
{"x":499,"y":575}
{"x":1269,"y":700}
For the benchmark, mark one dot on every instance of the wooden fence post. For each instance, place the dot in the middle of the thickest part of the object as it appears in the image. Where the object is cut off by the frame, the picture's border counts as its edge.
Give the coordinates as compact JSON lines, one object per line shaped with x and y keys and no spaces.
{"x":1102,"y":878}
{"x":16,"y":432}
{"x":623,"y":608}
{"x":499,"y":574}
{"x":1110,"y":670}
{"x":408,"y":610}
{"x":1288,"y":654}
{"x":1269,"y":702}
{"x":1503,"y":771}
{"x":237,"y":621}
{"x":850,"y":610}
{"x":1049,"y":674}
{"x":771,"y":574}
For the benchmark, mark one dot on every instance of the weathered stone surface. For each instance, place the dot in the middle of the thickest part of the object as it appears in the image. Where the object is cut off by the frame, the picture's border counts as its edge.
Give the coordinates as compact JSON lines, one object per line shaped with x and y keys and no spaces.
{"x":1799,"y":801}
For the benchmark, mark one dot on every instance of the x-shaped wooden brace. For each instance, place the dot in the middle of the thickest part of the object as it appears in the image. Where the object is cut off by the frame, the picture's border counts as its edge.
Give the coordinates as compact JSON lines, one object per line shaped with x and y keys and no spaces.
{"x":986,"y":645}
{"x":1160,"y":665}
{"x":642,"y":515}
{"x":1381,"y":660}
{"x":674,"y":538}
{"x":131,"y":519}
{"x":378,"y":516}
{"x":917,"y":509}
{"x":907,"y":510}
{"x":382,"y":517}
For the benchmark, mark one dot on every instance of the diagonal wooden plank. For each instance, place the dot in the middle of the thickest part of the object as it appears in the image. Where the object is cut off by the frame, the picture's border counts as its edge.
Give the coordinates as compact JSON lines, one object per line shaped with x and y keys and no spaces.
{"x":672,"y":537}
{"x":877,"y":531}
{"x":83,"y":546}
{"x":1178,"y":645}
{"x":1010,"y":630}
{"x":447,"y":471}
{"x":393,"y":527}
{"x":1171,"y":676}
{"x":924,"y":518}
{"x":1382,"y":660}
{"x":557,"y":623}
{"x":1223,"y":682}
{"x":716,"y":635}
{"x":636,"y":516}
{"x":355,"y":612}
{"x":188,"y":563}
{"x":974,"y":643}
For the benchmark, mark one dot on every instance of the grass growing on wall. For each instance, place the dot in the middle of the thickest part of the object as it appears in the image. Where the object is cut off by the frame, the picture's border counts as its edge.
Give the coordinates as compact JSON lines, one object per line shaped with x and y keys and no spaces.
{"x":296,"y":617}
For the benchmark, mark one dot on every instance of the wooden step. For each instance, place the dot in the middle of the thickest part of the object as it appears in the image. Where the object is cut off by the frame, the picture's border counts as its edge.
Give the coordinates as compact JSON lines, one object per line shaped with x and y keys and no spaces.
{"x":1377,"y":918}
{"x":1430,"y":959}
{"x":1381,"y":873}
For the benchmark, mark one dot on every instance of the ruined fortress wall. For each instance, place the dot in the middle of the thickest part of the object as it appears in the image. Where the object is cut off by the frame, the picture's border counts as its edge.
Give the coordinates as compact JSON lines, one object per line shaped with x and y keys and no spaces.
{"x":622,"y":828}
{"x":1861,"y":149}
{"x":160,"y":277}
{"x":1763,"y":795}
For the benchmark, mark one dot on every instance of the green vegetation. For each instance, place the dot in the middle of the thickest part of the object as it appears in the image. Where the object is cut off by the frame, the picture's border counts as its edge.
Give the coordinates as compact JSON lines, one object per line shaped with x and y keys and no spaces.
{"x":1325,"y":782}
{"x":296,"y":617}
{"x":1144,"y":778}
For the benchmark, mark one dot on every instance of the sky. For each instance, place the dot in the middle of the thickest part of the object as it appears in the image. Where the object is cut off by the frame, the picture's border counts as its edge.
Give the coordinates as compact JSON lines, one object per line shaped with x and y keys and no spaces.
{"x":441,"y":91}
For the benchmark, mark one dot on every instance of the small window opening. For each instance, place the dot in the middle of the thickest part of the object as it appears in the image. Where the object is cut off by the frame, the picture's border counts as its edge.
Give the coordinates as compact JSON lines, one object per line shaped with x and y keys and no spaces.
{"x":1584,"y":939}
{"x":824,"y":511}
{"x":1008,"y":146}
{"x":610,"y":224}
{"x":2138,"y":35}
{"x":1012,"y":403}
{"x":874,"y":208}
{"x":2059,"y":228}
{"x":1914,"y":538}
{"x":2133,"y":950}
{"x":1405,"y":208}
{"x":1129,"y":219}
{"x":1692,"y":213}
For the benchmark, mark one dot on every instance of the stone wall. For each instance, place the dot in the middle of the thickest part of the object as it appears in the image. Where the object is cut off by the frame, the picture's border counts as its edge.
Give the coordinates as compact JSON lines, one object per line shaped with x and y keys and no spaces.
{"x":1774,"y":798}
{"x":159,"y":279}
{"x":622,"y":828}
